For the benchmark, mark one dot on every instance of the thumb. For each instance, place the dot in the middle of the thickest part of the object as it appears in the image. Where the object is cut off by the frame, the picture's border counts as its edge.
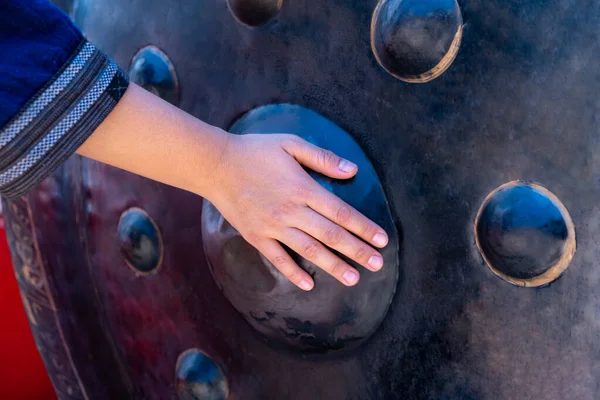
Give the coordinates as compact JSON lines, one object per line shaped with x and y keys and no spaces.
{"x":320,"y":160}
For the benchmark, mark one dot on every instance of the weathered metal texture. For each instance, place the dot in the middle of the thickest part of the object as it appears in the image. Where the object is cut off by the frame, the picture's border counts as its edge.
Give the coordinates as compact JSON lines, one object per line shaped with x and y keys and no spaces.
{"x":519,"y":102}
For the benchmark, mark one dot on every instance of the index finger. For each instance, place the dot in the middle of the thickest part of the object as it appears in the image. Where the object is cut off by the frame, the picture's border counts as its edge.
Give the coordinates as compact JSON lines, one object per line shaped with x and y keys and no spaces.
{"x":341,"y":213}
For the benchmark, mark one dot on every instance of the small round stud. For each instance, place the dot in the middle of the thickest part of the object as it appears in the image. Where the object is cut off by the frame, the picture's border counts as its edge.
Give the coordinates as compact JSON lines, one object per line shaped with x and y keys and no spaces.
{"x":152,"y":69}
{"x":199,"y":378}
{"x":525,"y":234}
{"x":253,"y":13}
{"x":140,"y":241}
{"x":416,"y":40}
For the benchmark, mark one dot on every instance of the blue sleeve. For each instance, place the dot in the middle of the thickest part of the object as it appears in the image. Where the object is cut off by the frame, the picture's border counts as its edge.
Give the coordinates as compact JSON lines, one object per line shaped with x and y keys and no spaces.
{"x":55,"y":89}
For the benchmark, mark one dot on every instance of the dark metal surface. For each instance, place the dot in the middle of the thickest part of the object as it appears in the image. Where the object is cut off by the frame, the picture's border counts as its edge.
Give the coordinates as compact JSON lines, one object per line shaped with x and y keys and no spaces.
{"x":520,"y":101}
{"x":331,"y":317}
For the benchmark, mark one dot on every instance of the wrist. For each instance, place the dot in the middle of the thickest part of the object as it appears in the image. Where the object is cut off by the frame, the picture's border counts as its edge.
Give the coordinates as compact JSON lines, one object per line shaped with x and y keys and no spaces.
{"x":150,"y":137}
{"x":207,"y":175}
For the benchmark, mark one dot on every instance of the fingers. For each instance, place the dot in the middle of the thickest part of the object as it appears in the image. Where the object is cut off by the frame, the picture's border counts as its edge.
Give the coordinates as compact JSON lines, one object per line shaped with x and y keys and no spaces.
{"x":324,"y":202}
{"x":339,"y":239}
{"x":320,"y":160}
{"x":284,"y":263}
{"x":337,"y":211}
{"x":316,"y":253}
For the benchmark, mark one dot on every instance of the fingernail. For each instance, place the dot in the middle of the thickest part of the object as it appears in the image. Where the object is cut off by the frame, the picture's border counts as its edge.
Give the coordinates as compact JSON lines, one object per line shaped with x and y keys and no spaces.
{"x":380,"y":239}
{"x":351,"y":277}
{"x":346,"y":166}
{"x":305,"y":285}
{"x":376,"y":262}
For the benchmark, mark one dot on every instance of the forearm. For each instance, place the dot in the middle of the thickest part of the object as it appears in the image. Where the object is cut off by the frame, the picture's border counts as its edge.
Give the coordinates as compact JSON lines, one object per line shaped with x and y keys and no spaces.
{"x":59,"y":95}
{"x":80,"y":101}
{"x":148,"y":136}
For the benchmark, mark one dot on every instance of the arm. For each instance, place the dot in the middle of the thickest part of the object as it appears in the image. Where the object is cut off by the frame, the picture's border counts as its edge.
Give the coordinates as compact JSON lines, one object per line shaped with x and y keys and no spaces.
{"x":256,"y":181}
{"x":55,"y":89}
{"x":58,"y":95}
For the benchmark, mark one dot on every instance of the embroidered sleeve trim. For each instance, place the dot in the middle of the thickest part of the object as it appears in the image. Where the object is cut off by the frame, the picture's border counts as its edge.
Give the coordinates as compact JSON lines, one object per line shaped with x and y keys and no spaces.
{"x":58,"y":119}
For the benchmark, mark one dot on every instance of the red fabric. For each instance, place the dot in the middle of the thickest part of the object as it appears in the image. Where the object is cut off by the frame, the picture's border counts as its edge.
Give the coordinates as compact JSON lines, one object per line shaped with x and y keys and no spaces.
{"x":22,"y":373}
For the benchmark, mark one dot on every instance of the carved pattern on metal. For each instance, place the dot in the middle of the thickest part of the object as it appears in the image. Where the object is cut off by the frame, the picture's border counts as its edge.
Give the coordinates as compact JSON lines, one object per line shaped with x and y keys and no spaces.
{"x":38,"y":300}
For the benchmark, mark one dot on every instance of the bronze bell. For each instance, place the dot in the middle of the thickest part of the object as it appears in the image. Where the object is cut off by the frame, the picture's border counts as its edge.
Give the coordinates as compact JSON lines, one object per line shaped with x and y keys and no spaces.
{"x":476,"y":123}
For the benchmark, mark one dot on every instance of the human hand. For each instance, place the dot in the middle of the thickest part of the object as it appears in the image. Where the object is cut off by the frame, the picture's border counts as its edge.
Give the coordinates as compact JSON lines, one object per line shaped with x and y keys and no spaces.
{"x":261,"y":188}
{"x":255,"y":181}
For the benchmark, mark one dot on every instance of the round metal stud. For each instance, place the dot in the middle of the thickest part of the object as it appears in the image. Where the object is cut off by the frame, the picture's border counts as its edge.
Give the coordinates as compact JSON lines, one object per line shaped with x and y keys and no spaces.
{"x":525,"y":234}
{"x":199,"y":378}
{"x":253,"y":13}
{"x":416,"y":40}
{"x":140,"y":241}
{"x":331,"y":317}
{"x":152,"y":69}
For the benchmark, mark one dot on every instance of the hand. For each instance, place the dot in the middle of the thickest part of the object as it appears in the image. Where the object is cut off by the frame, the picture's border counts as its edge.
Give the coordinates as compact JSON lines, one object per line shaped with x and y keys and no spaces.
{"x":256,"y":181}
{"x":263,"y":191}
